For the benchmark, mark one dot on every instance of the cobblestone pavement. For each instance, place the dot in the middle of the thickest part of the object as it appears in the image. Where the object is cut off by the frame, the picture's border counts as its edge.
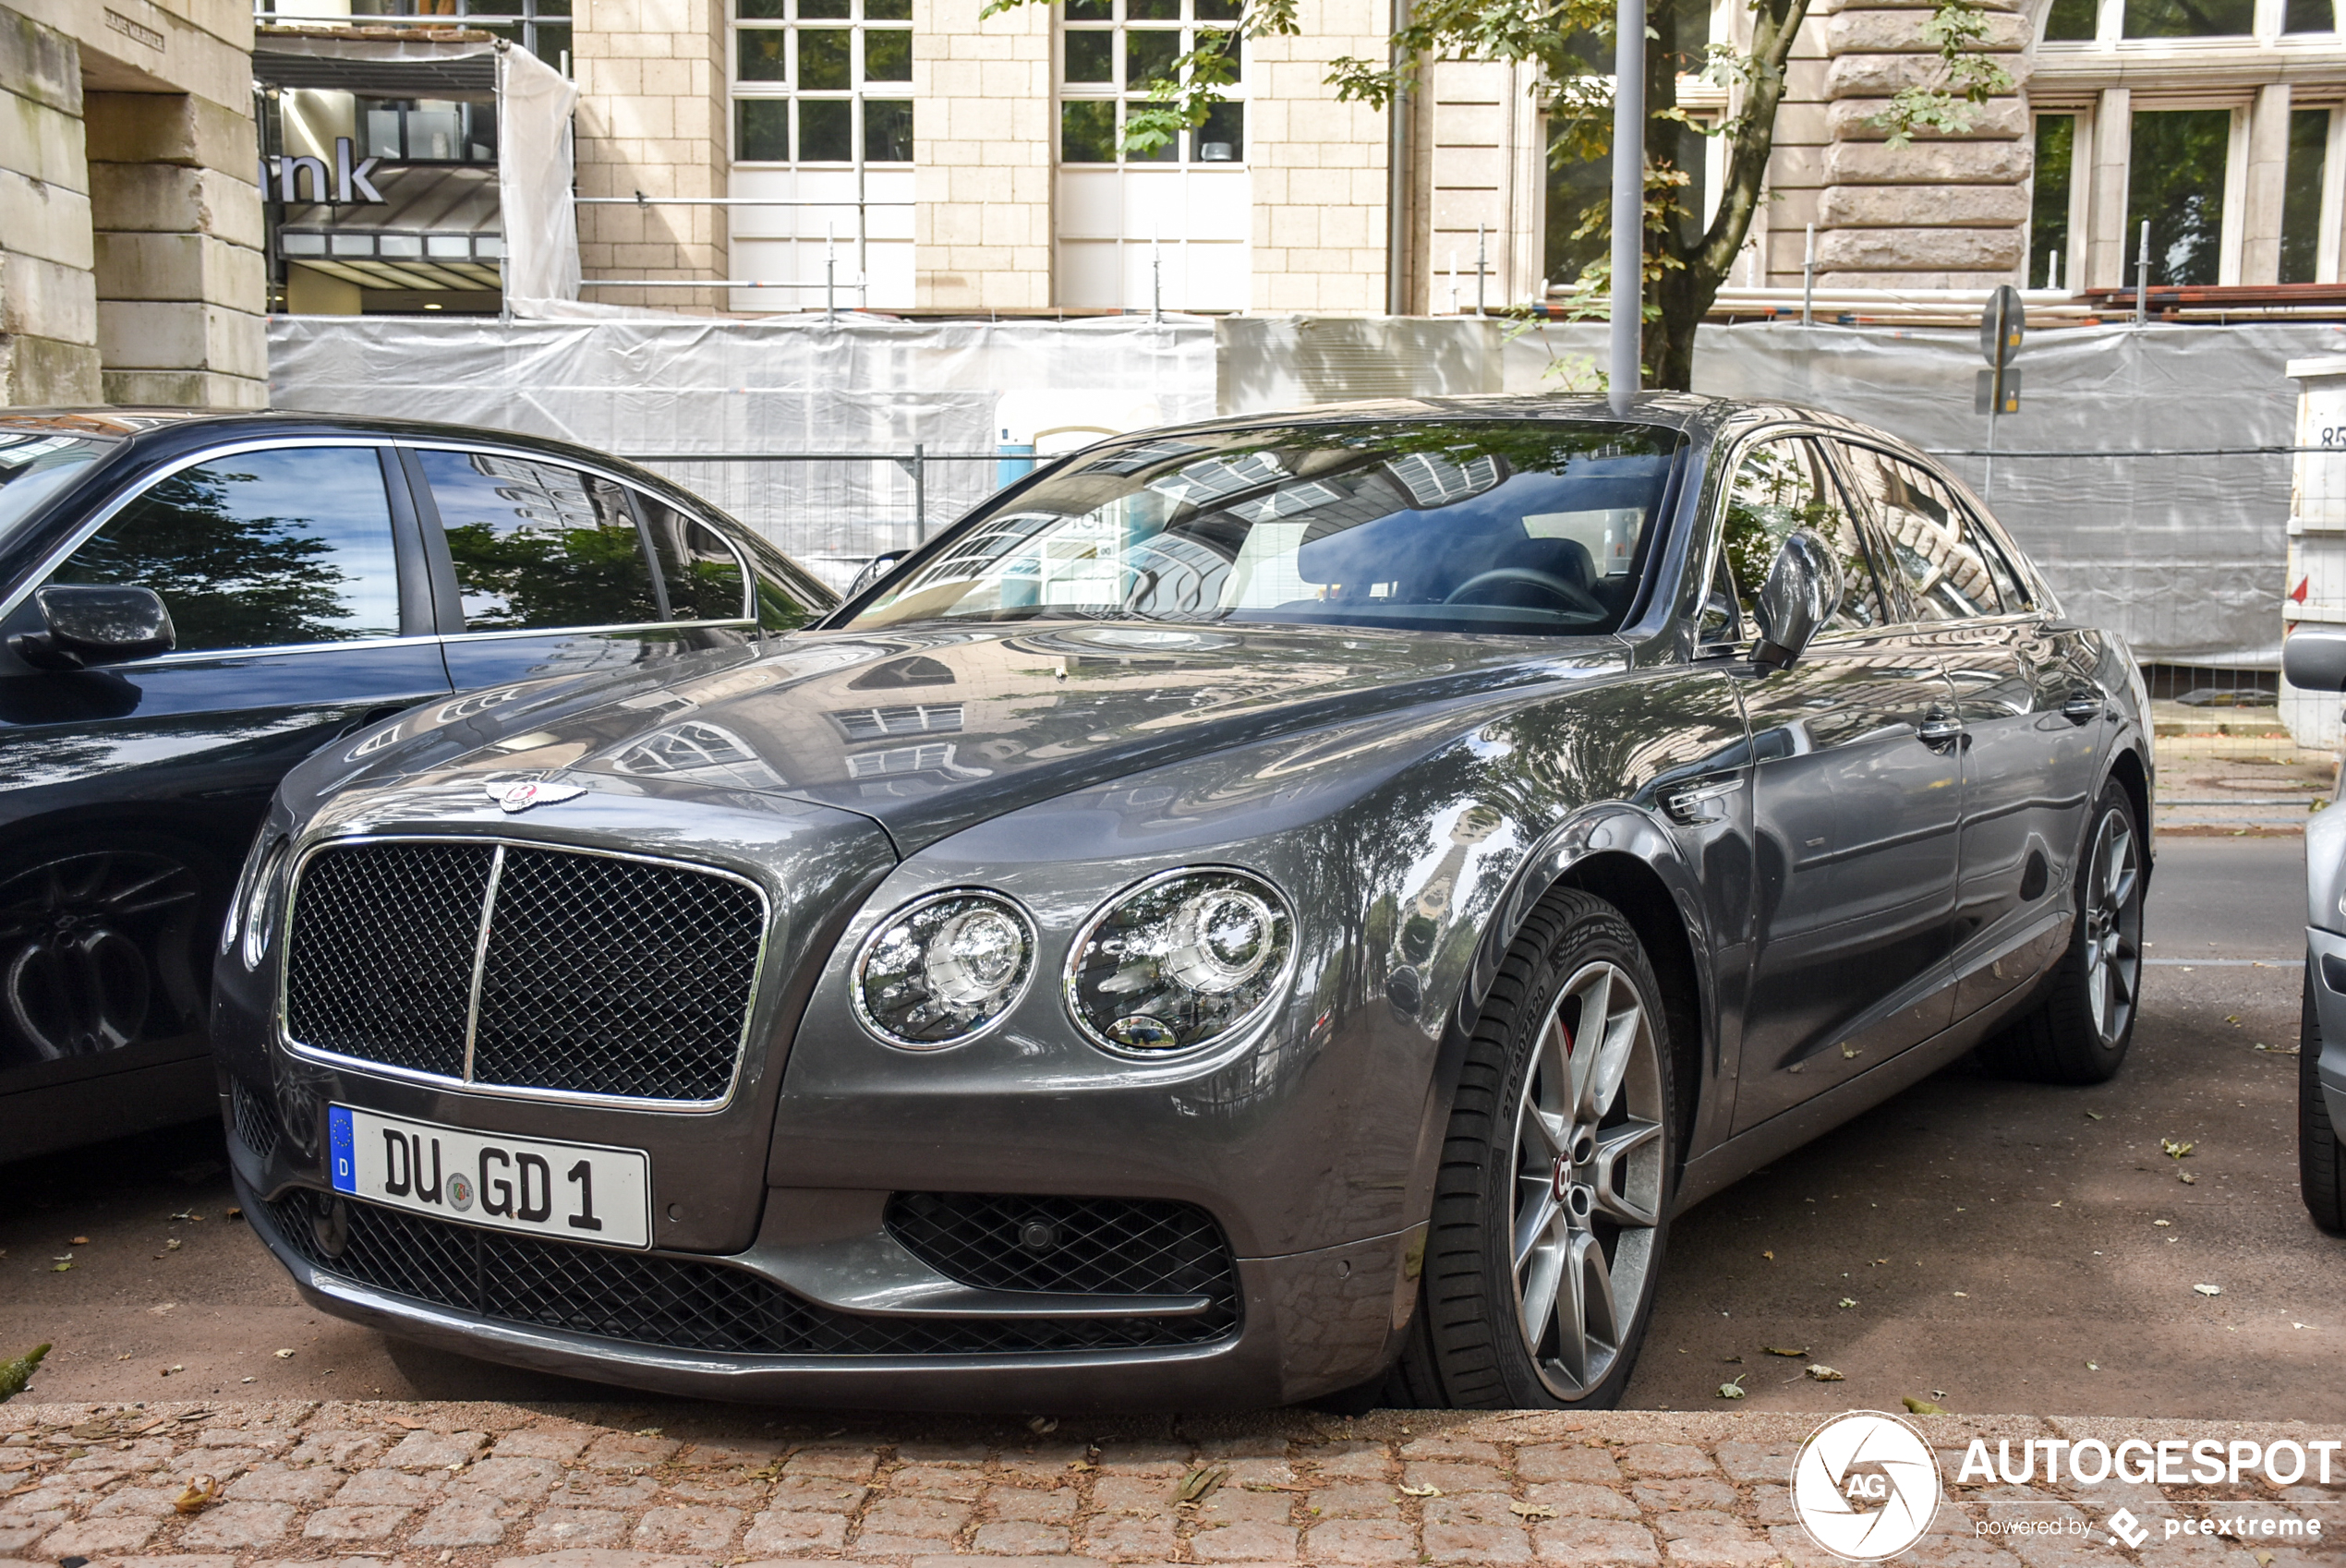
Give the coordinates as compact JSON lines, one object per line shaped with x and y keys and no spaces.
{"x":502,"y":1486}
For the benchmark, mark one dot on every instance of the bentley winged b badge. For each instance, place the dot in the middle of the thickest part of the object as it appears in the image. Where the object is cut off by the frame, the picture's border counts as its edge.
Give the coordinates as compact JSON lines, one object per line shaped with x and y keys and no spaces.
{"x":529,"y":792}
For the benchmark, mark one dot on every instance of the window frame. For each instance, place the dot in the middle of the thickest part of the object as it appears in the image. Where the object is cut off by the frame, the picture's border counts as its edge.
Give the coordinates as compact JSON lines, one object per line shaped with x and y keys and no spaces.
{"x":1962,"y":506}
{"x":452,"y":612}
{"x":1121,"y":92}
{"x":415,"y":598}
{"x":859,"y":92}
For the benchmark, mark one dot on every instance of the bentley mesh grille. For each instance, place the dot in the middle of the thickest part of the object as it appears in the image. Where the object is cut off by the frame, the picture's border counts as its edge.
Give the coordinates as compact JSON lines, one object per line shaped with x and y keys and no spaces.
{"x":673,"y":1303}
{"x":1091,"y":1246}
{"x":599,"y":975}
{"x":256,"y":1126}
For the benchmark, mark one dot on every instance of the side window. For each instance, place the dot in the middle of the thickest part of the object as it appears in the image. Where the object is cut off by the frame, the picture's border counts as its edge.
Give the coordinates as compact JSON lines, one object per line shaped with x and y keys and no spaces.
{"x":1780,"y":486}
{"x":2009,"y":586}
{"x":261,"y":549}
{"x":702,"y":574}
{"x":1932,"y":541}
{"x":538,"y":545}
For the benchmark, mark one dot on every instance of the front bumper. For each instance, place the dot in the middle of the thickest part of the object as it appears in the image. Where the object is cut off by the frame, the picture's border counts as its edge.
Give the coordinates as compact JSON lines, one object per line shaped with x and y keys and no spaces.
{"x":1308,"y":1323}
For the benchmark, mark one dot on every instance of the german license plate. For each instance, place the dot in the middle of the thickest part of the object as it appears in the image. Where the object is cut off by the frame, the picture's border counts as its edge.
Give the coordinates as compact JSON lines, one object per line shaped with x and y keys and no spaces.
{"x":583,"y":1191}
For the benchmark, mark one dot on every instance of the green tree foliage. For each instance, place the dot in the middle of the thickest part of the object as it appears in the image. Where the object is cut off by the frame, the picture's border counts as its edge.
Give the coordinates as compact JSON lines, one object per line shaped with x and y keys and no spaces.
{"x":552,"y":576}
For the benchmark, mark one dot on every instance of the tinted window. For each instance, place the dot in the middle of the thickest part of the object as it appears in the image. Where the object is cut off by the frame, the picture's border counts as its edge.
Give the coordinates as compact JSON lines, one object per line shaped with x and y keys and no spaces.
{"x":1782,"y":486}
{"x":1517,"y":525}
{"x":539,"y":545}
{"x":1932,"y":541}
{"x":261,"y":550}
{"x":702,"y":574}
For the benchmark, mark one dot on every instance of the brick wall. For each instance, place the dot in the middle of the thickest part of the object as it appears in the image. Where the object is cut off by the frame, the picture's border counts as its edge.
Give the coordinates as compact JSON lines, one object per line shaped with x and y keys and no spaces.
{"x":984,"y":140}
{"x":652,"y":116}
{"x":1318,"y":167}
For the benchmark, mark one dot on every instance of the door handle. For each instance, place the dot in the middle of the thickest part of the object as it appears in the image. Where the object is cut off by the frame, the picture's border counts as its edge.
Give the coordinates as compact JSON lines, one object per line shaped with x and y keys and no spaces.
{"x":1938,"y":728}
{"x":2082,"y":707}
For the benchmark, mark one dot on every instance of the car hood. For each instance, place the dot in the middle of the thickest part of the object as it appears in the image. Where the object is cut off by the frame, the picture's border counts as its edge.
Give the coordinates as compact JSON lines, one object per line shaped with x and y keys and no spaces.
{"x":930,"y":731}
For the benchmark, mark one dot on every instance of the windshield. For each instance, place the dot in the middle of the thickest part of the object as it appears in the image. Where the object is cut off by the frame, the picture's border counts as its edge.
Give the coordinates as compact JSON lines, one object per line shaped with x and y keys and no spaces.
{"x":35,"y":466}
{"x":1483,"y":525}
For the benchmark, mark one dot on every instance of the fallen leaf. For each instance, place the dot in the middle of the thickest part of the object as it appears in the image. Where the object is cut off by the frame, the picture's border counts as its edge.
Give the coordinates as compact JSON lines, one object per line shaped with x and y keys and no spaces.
{"x":186,"y":1214}
{"x":1923,"y":1406}
{"x":1734,"y":1390}
{"x":235,"y":1214}
{"x":2162,"y":1224}
{"x":2176,"y":1150}
{"x":1769,"y":1255}
{"x":2187,"y":1179}
{"x":1727,"y":1360}
{"x":2093,"y":1115}
{"x":2093,"y":1365}
{"x":1040,"y":1425}
{"x":2209,"y":1289}
{"x":1780,"y":1350}
{"x":285,"y":1355}
{"x":1845,"y":1301}
{"x":1200,"y":1483}
{"x":1532,"y":1510}
{"x":1421,"y":1492}
{"x":82,"y":1241}
{"x":648,"y":1432}
{"x":173,"y":1245}
{"x":1274,"y":1486}
{"x":201,"y":1492}
{"x":1846,"y":1054}
{"x":60,"y":1268}
{"x":1824,"y":1373}
{"x":1963,"y":1295}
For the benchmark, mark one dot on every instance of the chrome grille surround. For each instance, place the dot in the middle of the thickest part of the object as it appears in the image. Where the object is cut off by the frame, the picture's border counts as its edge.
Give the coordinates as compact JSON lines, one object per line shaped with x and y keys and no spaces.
{"x":523,"y":968}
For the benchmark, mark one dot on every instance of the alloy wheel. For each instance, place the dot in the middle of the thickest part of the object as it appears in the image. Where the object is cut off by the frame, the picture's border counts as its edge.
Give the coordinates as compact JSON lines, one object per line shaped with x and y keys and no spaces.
{"x":84,"y":940}
{"x":2113,"y":927}
{"x":1587,"y":1157}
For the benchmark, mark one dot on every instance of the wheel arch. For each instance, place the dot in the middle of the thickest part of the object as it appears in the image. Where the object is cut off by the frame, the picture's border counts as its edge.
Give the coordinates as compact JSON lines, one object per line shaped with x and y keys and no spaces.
{"x":1622,"y":856}
{"x":2128,"y":770}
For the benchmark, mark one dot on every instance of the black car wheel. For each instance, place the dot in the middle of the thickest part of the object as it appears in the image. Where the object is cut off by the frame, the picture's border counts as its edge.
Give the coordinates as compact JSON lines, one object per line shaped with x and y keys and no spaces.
{"x":1549,"y":1213}
{"x":2321,"y":1159}
{"x":103,"y":945}
{"x":2080,"y":1032}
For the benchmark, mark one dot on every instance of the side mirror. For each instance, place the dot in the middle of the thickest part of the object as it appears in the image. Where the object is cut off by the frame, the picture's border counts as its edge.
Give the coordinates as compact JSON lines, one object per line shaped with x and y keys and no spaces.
{"x":2315,"y":661}
{"x":873,"y":570}
{"x":90,"y":625}
{"x":1802,"y":591}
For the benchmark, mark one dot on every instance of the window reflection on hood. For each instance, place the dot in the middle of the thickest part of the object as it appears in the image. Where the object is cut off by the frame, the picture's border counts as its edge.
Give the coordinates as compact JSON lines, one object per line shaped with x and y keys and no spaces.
{"x":1473,"y":525}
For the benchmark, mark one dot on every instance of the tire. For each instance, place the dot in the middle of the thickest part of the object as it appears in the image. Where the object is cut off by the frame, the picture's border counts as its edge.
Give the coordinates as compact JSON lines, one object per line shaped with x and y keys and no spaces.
{"x":1595,"y":1134}
{"x":105,"y":942}
{"x":2080,"y":1032}
{"x":2321,"y":1159}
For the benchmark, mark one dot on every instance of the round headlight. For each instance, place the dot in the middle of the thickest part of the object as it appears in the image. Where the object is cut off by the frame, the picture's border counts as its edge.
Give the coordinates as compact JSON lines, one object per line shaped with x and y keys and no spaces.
{"x":263,"y":913}
{"x":943,"y":968}
{"x":1180,"y":961}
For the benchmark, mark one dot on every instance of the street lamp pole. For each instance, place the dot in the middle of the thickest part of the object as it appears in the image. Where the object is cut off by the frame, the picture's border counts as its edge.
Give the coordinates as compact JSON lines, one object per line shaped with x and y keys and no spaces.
{"x":1628,"y":199}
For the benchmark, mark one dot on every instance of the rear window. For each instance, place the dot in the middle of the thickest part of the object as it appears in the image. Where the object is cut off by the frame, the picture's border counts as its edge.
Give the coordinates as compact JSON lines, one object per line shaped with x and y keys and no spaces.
{"x":1483,"y":525}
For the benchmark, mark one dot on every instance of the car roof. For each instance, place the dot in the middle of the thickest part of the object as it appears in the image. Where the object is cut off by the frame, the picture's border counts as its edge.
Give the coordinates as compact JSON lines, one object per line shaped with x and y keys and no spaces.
{"x":158,"y":429}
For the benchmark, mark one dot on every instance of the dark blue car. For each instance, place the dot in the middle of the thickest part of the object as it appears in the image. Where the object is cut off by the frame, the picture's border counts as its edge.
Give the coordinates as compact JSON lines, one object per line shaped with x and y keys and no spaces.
{"x":191,"y":604}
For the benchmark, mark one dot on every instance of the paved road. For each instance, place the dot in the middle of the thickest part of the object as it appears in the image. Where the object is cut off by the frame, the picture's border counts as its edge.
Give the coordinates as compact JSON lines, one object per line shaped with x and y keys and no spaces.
{"x":2000,"y":1242}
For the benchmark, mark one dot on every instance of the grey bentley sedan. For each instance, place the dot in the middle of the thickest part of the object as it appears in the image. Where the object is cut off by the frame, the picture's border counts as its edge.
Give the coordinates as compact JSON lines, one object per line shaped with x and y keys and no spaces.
{"x":1268,"y":910}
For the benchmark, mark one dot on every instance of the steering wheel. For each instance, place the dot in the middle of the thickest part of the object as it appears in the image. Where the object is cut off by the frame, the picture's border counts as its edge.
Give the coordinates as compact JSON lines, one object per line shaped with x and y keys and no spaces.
{"x":1573,"y":598}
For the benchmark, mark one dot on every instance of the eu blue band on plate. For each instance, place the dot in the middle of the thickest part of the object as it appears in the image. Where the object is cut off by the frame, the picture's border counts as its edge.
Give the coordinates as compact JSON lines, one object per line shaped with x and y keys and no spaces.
{"x":346,"y":1162}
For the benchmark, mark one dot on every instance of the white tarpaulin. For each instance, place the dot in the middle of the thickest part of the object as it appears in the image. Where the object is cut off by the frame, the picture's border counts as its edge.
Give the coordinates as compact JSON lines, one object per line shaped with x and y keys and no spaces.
{"x":533,"y":181}
{"x":2168,"y":532}
{"x":2184,"y":554}
{"x":680,"y":385}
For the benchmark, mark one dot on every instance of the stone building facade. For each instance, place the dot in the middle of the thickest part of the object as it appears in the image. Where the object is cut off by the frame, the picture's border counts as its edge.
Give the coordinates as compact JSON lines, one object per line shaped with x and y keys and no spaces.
{"x":130,"y":220}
